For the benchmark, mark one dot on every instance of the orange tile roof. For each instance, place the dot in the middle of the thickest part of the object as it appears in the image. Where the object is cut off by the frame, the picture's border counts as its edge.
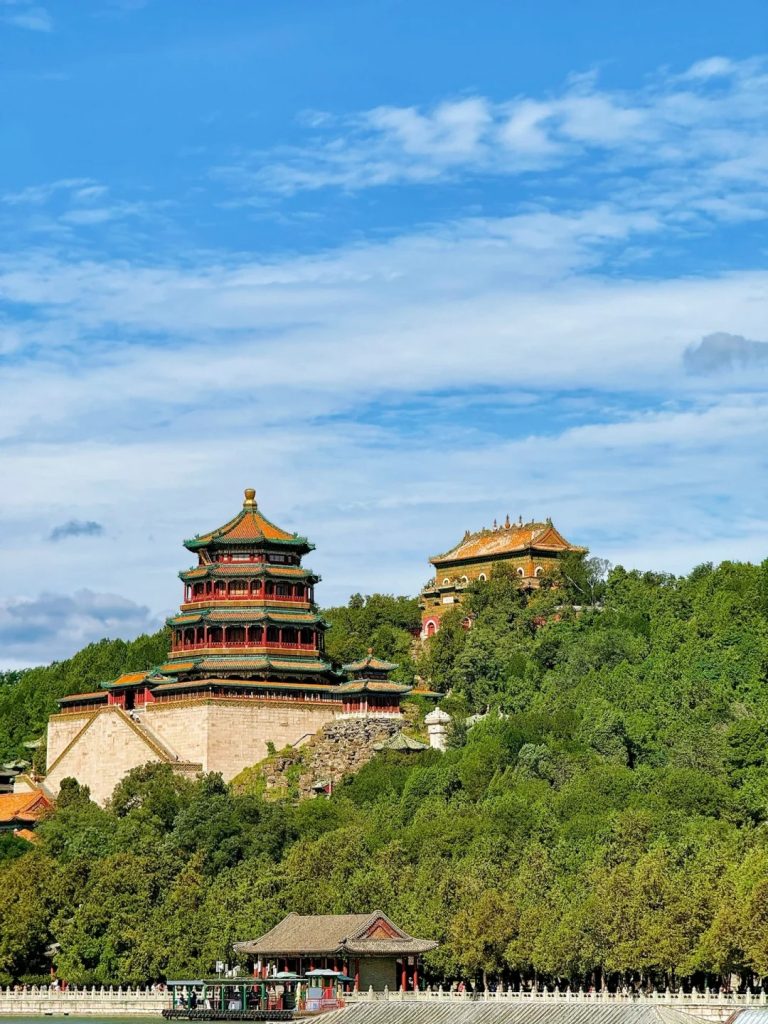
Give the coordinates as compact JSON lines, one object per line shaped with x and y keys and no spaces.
{"x":506,"y":540}
{"x":129,"y":677}
{"x":26,"y":833}
{"x":247,"y":525}
{"x":23,"y":806}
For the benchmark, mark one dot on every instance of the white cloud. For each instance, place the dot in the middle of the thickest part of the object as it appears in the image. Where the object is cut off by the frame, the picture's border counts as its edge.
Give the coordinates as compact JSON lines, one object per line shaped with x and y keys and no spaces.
{"x":36,"y":195}
{"x":675,"y":122}
{"x":25,"y":14}
{"x":49,"y":626}
{"x":387,"y":395}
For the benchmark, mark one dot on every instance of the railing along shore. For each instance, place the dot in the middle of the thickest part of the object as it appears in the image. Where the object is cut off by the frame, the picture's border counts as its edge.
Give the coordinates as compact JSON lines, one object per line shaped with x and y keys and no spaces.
{"x":707,"y":997}
{"x":134,"y":1002}
{"x":39,"y":1001}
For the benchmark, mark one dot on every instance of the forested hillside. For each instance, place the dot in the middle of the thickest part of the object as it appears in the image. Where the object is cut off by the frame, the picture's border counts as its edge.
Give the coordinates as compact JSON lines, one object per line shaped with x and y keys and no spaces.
{"x":612,"y":820}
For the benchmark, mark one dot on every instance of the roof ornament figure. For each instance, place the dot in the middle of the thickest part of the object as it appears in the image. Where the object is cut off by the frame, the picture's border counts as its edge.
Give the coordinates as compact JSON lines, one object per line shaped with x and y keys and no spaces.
{"x":520,"y":521}
{"x":507,"y":523}
{"x":250,"y":498}
{"x":495,"y":525}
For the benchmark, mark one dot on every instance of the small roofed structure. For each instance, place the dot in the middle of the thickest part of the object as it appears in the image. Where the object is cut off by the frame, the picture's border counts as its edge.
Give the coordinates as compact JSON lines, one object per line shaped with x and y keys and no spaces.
{"x":369,"y":690}
{"x":20,"y":812}
{"x":402,"y":744}
{"x":370,"y":948}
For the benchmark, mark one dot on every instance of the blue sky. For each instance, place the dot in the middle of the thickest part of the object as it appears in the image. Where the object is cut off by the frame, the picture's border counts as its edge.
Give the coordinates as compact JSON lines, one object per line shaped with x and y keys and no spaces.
{"x":403,"y":267}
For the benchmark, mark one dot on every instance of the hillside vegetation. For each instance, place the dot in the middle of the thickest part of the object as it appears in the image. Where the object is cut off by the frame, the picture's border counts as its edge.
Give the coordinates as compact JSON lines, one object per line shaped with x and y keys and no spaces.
{"x":606,"y":818}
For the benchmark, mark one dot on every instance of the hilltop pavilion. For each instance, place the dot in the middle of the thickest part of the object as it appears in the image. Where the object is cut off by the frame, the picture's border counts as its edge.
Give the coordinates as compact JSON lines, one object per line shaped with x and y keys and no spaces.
{"x":531,"y":550}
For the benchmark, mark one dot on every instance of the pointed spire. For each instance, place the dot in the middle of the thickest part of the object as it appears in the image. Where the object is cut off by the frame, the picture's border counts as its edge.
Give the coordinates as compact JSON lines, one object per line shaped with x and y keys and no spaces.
{"x":507,"y":523}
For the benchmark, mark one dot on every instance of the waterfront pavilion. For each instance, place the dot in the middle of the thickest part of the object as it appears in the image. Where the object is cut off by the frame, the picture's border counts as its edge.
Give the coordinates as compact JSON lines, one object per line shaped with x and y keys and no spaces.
{"x":369,"y":948}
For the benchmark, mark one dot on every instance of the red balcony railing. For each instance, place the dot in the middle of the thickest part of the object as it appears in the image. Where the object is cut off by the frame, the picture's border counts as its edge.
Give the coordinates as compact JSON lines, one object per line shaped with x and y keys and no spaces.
{"x":219,"y":646}
{"x":259,"y":595}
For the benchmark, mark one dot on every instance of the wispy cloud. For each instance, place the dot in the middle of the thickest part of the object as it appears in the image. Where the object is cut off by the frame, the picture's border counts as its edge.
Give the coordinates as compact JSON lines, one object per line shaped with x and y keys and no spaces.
{"x":76,"y":528}
{"x":704,"y":132}
{"x":386,"y":394}
{"x":26,"y":14}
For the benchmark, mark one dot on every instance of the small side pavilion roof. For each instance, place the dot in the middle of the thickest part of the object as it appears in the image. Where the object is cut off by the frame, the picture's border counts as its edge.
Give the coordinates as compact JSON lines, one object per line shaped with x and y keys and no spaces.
{"x":370,"y":663}
{"x":402,"y":743}
{"x":329,"y":934}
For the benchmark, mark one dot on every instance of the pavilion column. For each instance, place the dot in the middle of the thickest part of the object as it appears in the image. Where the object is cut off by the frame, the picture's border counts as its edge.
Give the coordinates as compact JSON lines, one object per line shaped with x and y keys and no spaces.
{"x":416,"y":976}
{"x":357,"y":975}
{"x":404,"y":976}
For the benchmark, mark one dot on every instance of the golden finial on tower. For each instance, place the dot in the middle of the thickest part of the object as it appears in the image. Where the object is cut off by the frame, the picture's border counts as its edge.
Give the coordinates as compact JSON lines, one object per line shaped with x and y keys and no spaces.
{"x":250,"y":497}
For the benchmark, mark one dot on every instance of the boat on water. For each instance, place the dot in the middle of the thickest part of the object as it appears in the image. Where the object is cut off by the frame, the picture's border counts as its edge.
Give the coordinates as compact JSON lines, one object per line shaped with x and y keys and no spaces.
{"x":278,"y":997}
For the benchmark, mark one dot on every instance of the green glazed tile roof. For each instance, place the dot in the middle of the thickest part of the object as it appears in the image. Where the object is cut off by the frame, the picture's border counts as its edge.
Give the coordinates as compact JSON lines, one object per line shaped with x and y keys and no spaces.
{"x":371,"y":662}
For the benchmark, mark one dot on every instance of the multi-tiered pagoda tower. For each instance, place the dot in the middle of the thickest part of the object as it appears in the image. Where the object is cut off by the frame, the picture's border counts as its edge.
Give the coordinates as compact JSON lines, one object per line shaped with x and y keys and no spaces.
{"x":246,"y":671}
{"x":249,"y":608}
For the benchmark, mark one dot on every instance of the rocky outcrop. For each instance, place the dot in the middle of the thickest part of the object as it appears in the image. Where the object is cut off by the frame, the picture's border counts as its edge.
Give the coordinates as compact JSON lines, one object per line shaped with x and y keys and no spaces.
{"x":340,"y":748}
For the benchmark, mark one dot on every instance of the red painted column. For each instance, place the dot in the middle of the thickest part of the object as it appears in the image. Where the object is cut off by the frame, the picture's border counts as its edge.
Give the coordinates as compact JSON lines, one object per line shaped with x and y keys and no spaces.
{"x":416,"y":977}
{"x":357,"y":975}
{"x":404,"y":977}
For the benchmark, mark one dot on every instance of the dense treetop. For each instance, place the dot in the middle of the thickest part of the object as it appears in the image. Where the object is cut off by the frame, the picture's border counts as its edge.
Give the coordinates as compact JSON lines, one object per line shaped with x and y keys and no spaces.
{"x":607,"y":815}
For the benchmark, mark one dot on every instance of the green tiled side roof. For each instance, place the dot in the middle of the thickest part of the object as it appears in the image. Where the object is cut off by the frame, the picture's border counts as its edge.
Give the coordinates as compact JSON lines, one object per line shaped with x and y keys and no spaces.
{"x":370,"y":662}
{"x":373,"y":686}
{"x":241,"y":685}
{"x":247,"y":615}
{"x":256,"y":663}
{"x":248,"y":570}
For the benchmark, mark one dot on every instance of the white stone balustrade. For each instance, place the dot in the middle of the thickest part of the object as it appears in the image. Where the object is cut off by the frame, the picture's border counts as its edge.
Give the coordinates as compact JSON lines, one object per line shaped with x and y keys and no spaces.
{"x":38,"y":1001}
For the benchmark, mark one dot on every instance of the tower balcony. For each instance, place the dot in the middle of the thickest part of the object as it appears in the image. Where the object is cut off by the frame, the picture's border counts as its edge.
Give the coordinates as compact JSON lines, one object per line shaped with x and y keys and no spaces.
{"x":254,"y":637}
{"x":255,"y":593}
{"x":247,"y":599}
{"x":240,"y":645}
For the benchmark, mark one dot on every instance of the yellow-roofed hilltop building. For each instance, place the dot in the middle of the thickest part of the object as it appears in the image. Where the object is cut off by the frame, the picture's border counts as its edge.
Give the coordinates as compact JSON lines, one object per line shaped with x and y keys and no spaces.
{"x":531,"y":550}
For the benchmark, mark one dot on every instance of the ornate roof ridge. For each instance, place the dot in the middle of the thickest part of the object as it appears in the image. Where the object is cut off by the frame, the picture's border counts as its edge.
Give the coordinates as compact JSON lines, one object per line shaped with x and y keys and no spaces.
{"x":372,"y":662}
{"x":507,"y":538}
{"x":249,"y":526}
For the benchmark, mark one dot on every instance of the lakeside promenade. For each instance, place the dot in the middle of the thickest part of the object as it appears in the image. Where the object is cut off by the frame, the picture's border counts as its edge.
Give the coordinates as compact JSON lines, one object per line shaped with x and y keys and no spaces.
{"x":147,"y":1002}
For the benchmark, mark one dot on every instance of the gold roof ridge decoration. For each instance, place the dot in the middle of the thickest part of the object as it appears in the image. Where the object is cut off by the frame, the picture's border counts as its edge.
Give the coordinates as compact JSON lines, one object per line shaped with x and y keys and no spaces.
{"x":510,"y":538}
